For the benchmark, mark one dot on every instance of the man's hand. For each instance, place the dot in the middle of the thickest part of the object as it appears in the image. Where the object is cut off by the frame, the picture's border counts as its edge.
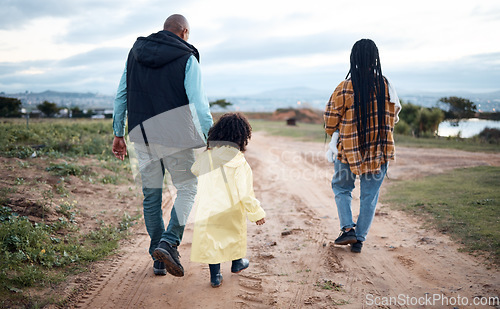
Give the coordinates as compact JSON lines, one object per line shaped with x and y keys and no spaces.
{"x":119,"y":147}
{"x":261,"y":221}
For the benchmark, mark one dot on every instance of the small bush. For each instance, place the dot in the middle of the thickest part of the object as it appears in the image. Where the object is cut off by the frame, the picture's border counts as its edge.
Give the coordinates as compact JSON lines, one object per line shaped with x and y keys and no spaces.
{"x":402,"y":128}
{"x":15,"y":151}
{"x":109,"y":179}
{"x":490,"y":135}
{"x":64,"y":169}
{"x":67,"y":169}
{"x":423,"y":121}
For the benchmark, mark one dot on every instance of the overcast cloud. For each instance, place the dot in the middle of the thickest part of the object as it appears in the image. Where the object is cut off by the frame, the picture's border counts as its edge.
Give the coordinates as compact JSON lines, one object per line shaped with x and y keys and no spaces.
{"x":253,"y":46}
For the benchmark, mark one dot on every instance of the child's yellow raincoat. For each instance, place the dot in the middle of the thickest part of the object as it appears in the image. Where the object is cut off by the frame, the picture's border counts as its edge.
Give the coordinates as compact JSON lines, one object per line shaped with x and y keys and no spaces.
{"x":225,"y":195}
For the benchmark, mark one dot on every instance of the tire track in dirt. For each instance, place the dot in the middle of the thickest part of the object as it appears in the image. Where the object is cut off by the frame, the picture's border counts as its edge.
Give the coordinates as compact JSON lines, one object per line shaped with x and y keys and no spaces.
{"x":399,"y":257}
{"x":124,"y":276}
{"x":122,"y":281}
{"x":293,"y":262}
{"x":298,"y":262}
{"x":128,"y":280}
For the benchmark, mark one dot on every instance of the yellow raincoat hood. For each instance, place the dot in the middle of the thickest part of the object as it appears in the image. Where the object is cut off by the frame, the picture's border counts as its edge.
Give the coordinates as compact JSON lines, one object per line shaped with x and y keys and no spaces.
{"x":225,"y":198}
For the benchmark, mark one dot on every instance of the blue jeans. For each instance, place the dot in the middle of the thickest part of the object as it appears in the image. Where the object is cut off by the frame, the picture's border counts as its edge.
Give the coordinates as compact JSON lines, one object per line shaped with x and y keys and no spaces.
{"x":152,"y":170}
{"x":343,"y":184}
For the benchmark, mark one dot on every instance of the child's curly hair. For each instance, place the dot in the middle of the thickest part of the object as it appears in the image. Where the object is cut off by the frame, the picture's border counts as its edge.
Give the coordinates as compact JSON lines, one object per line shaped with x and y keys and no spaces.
{"x":231,"y":127}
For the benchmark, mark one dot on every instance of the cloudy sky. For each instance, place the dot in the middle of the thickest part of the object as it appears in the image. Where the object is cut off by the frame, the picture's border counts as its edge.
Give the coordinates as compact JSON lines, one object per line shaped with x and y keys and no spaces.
{"x":248,"y":47}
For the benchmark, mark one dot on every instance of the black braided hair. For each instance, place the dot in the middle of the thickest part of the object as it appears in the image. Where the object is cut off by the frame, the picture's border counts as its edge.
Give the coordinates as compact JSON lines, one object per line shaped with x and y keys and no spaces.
{"x":369,"y":89}
{"x":231,"y":127}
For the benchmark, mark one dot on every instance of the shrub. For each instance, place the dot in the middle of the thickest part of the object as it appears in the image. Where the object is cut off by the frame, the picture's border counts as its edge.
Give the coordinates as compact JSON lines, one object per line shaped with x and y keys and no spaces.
{"x":64,"y":169}
{"x":423,"y":121}
{"x":10,"y":107}
{"x":490,"y":135}
{"x":402,"y":128}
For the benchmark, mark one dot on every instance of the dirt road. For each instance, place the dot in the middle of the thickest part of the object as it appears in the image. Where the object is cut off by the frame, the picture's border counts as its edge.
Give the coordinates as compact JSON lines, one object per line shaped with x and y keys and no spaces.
{"x":294,"y":263}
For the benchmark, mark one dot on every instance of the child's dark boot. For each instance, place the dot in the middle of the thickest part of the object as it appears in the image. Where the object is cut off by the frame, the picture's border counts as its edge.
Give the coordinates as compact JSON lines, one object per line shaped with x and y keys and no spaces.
{"x":239,"y":265}
{"x":215,"y":275}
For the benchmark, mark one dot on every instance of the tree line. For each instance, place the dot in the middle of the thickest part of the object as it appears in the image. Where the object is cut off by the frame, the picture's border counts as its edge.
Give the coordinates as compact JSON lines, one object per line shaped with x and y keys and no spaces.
{"x":12,"y":108}
{"x":414,"y":119}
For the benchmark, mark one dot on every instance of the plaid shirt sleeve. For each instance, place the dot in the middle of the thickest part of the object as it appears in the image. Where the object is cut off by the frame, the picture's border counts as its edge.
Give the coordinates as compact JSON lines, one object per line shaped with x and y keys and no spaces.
{"x":334,"y":111}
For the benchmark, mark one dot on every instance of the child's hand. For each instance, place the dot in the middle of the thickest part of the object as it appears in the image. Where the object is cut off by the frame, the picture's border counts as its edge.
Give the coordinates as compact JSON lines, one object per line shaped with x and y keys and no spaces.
{"x":261,"y":221}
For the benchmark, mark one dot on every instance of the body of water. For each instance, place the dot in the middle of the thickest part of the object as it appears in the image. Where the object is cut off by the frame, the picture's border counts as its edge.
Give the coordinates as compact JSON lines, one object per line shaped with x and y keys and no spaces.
{"x":467,"y":128}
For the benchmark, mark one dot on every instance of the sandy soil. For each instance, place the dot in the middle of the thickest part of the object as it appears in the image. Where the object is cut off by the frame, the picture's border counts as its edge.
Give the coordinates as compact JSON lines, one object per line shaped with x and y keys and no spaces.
{"x":294,"y":263}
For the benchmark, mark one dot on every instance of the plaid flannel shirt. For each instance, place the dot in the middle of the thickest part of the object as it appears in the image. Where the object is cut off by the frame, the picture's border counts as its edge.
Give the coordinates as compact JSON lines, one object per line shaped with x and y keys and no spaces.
{"x":339,"y":115}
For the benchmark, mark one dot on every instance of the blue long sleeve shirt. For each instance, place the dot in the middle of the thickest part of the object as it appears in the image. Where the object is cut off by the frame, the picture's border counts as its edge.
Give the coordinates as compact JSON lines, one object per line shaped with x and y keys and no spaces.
{"x":198,"y":102}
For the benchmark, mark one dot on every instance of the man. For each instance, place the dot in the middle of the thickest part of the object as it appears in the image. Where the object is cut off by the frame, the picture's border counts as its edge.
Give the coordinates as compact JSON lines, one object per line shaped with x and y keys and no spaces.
{"x":168,"y":116}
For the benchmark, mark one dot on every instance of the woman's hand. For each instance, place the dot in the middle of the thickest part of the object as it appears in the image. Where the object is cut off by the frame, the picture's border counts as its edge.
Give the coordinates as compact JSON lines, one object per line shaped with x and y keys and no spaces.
{"x":332,"y":151}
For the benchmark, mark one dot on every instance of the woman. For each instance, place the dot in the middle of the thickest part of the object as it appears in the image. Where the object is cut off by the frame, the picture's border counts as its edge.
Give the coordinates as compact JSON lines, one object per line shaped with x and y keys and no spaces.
{"x":360,"y":116}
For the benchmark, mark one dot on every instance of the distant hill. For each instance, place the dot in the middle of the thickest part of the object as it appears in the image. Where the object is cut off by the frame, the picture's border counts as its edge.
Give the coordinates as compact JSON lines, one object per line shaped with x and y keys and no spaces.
{"x":267,"y":101}
{"x":315,"y":98}
{"x":86,"y":100}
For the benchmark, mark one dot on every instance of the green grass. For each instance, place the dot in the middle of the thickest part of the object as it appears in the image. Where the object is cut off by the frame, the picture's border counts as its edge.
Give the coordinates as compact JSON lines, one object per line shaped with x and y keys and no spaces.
{"x":56,"y":137}
{"x":41,"y":254}
{"x":329,"y":285}
{"x":66,"y":169}
{"x":467,"y":144}
{"x":38,"y":254}
{"x":316,"y":133}
{"x":464,"y":203}
{"x":302,"y":131}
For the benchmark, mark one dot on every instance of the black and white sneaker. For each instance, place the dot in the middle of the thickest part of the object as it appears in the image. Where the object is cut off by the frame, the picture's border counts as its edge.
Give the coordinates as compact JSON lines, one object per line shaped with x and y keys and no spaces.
{"x":159,"y":268}
{"x":356,"y":247}
{"x":346,"y":238}
{"x":169,"y":255}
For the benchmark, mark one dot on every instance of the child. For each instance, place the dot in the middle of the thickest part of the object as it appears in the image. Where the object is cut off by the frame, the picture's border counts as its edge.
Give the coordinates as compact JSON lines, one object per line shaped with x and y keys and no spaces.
{"x":225,"y":195}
